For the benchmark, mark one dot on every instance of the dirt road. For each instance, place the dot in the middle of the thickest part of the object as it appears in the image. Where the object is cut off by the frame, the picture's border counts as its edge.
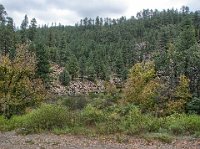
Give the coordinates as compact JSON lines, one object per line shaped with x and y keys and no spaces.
{"x":10,"y":140}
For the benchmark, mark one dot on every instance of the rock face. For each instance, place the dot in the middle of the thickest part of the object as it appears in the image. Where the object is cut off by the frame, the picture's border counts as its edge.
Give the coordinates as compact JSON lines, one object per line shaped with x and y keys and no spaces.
{"x":56,"y":86}
{"x":85,"y":87}
{"x":76,"y":87}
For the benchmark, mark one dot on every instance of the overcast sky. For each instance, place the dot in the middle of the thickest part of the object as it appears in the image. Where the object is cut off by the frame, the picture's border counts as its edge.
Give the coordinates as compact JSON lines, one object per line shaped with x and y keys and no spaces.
{"x":69,"y":12}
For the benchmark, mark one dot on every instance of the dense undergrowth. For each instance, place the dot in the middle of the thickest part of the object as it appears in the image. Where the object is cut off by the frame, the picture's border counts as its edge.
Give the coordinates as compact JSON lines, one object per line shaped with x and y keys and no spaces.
{"x":115,"y":118}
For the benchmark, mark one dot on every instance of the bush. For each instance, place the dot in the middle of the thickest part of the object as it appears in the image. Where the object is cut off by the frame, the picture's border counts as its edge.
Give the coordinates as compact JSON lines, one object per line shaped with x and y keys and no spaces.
{"x":107,"y":128}
{"x":11,"y":124}
{"x":91,"y":115}
{"x":75,"y":102}
{"x":2,"y":123}
{"x":135,"y":122}
{"x":46,"y":117}
{"x":183,"y":124}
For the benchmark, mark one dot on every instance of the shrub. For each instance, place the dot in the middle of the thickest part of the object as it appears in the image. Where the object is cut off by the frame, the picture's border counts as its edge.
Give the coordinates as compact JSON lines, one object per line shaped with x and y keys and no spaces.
{"x":91,"y":115}
{"x":2,"y":123}
{"x":75,"y":102}
{"x":13,"y":123}
{"x":135,"y":122}
{"x":46,"y":117}
{"x":183,"y":124}
{"x":107,"y":128}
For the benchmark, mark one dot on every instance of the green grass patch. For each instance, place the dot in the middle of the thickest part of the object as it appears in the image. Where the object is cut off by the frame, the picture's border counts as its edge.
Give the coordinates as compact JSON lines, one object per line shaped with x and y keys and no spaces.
{"x":182,"y":124}
{"x":163,"y":137}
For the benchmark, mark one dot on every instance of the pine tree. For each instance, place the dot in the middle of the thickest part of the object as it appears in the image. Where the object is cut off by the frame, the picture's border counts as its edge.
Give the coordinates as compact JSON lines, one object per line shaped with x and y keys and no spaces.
{"x":42,"y":66}
{"x":3,"y":13}
{"x":186,"y":41}
{"x":82,"y":64}
{"x":73,"y":67}
{"x":32,"y":29}
{"x":24,"y":26}
{"x":64,"y":77}
{"x":91,"y":72}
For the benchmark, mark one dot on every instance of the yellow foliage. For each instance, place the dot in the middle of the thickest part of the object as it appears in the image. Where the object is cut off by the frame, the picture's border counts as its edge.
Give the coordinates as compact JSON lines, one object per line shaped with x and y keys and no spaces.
{"x":18,"y":85}
{"x":181,"y":96}
{"x":110,"y":87}
{"x":142,"y":85}
{"x":182,"y":90}
{"x":175,"y":106}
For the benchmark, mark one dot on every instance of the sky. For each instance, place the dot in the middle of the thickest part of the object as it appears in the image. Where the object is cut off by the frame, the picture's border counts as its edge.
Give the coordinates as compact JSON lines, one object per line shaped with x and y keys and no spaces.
{"x":69,"y":12}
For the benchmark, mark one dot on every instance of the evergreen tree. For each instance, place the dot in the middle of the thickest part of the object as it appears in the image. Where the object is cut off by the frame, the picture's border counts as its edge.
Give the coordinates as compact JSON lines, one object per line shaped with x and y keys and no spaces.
{"x":73,"y":67}
{"x":42,"y":66}
{"x":24,"y":26}
{"x":186,"y":41}
{"x":64,"y":77}
{"x":91,"y":73}
{"x":32,"y":29}
{"x":3,"y":13}
{"x":82,"y":64}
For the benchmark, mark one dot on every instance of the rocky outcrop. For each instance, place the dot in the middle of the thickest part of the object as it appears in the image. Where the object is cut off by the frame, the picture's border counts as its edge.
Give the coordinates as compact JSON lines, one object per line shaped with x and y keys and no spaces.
{"x":76,"y":87}
{"x":56,"y":86}
{"x":85,"y":87}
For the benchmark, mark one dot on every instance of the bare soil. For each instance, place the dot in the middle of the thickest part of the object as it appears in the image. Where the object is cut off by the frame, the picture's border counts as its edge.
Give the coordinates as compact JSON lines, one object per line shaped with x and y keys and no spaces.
{"x":11,"y":140}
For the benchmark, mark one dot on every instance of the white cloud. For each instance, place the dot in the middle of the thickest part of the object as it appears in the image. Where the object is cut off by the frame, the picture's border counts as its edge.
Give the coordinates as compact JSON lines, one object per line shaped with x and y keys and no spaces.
{"x":138,"y":5}
{"x":71,"y":11}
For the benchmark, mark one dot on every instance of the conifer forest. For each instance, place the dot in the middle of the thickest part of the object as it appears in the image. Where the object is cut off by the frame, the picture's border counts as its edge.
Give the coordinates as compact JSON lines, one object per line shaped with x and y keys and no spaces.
{"x":137,"y":76}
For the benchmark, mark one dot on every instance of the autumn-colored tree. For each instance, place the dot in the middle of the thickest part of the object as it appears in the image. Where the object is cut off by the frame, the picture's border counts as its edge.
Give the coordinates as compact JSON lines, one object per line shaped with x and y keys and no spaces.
{"x":142,"y":84}
{"x":181,"y":96}
{"x":18,"y":86}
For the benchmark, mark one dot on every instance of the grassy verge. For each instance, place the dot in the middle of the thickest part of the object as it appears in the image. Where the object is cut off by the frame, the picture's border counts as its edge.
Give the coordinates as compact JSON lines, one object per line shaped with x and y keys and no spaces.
{"x":93,"y":121}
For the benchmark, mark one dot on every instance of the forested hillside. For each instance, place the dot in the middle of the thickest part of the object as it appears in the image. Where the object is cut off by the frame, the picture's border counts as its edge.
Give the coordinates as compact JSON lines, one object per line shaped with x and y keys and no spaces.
{"x":104,"y":47}
{"x":155,"y":55}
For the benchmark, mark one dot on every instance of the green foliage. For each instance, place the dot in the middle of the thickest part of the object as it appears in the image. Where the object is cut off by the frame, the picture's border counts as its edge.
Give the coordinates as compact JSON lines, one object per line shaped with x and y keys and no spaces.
{"x":97,"y":51}
{"x":181,"y":96}
{"x":23,"y":31}
{"x":2,"y":123}
{"x":142,"y":85}
{"x":32,"y":29}
{"x":47,"y":117}
{"x":135,"y":122}
{"x":194,"y":106}
{"x":182,"y":90}
{"x":91,"y":115}
{"x":18,"y":87}
{"x":73,"y":67}
{"x":182,"y":124}
{"x":116,"y":119}
{"x":64,"y":77}
{"x":91,"y":73}
{"x":74,"y":102}
{"x":43,"y":64}
{"x":12,"y":124}
{"x":163,"y":137}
